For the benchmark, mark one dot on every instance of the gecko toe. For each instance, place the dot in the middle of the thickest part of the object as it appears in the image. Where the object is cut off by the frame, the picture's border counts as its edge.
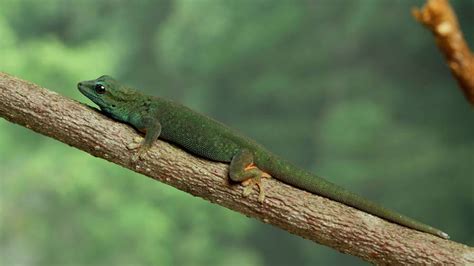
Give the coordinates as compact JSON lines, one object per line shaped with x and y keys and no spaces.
{"x":266,"y":175}
{"x":247,"y":190}
{"x":249,"y":184}
{"x":135,"y":144}
{"x":135,"y":157}
{"x":140,"y":154}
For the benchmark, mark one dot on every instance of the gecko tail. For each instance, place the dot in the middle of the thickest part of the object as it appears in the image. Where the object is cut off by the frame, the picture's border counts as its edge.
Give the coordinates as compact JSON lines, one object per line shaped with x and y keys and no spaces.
{"x":297,"y":177}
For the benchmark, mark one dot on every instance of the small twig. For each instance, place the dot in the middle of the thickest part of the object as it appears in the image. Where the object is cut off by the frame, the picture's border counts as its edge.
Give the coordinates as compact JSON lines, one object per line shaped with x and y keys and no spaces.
{"x":439,"y":17}
{"x":310,"y":216}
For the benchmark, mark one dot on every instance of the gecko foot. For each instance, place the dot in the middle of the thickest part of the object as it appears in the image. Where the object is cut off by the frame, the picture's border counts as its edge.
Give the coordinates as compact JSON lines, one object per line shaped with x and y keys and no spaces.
{"x":135,"y":144}
{"x":138,"y":145}
{"x":242,"y":169}
{"x":140,"y":153}
{"x":250,"y":183}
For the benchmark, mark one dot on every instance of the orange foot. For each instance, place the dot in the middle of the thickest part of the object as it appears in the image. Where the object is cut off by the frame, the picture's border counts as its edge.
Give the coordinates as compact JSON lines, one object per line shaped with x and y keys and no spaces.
{"x":257,"y":181}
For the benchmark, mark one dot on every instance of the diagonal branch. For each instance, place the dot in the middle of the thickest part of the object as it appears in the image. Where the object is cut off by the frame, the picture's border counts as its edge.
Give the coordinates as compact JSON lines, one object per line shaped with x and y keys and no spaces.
{"x":439,"y":17}
{"x":310,"y":216}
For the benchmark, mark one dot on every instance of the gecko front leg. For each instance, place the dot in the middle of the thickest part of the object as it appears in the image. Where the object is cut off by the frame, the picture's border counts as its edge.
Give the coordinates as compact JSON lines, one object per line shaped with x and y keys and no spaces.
{"x":152,"y":129}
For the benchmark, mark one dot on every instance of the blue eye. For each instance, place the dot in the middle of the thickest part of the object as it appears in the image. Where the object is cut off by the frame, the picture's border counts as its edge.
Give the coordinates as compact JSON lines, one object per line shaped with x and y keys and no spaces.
{"x":99,"y":88}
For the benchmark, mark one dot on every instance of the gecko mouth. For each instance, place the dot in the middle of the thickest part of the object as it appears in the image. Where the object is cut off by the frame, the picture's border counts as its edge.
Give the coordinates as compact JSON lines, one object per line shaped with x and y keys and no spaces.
{"x":81,"y":87}
{"x":84,"y":89}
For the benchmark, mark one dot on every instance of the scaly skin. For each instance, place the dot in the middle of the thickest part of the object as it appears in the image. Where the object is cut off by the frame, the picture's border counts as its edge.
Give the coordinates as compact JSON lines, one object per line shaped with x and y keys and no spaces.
{"x":212,"y":140}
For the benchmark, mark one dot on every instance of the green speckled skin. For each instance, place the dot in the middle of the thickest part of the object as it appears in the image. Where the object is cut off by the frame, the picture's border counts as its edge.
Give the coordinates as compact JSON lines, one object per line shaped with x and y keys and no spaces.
{"x":213,"y":140}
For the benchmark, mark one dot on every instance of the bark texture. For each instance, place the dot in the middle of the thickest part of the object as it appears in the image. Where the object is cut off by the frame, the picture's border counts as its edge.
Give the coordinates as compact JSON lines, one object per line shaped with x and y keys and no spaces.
{"x":310,"y":216}
{"x":439,"y":17}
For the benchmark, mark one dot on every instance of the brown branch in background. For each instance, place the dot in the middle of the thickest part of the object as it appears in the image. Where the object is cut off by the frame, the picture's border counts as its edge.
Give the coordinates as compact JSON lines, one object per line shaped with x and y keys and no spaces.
{"x":301,"y":213}
{"x":439,"y":17}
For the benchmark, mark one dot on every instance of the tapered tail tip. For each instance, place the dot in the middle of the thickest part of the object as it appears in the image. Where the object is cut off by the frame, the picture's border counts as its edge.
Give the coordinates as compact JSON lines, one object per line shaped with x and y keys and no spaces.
{"x":443,"y":235}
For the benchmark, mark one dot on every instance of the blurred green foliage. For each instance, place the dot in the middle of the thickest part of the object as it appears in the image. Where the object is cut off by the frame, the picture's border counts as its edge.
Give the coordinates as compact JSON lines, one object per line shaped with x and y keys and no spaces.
{"x":352,"y":90}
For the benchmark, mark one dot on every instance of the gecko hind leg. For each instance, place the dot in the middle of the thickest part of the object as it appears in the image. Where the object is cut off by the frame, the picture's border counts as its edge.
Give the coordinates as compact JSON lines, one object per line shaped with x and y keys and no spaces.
{"x":242,"y":169}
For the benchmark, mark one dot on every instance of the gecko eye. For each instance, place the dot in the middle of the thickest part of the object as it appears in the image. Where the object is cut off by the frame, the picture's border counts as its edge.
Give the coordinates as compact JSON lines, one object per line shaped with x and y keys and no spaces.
{"x":99,"y":88}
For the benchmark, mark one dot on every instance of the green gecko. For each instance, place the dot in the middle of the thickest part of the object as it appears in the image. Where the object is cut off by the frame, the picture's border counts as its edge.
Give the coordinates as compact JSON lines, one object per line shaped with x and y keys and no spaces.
{"x":210,"y":139}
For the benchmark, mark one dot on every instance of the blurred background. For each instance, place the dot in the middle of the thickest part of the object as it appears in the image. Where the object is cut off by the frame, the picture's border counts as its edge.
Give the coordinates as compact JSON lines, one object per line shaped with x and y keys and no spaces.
{"x":352,"y":90}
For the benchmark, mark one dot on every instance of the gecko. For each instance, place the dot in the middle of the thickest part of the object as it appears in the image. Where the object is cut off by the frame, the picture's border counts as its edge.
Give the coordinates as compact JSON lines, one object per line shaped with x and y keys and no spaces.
{"x":207,"y":138}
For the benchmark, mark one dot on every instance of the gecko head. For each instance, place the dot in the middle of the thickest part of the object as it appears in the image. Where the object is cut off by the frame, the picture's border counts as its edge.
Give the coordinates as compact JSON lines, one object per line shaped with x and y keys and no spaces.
{"x":106,"y":92}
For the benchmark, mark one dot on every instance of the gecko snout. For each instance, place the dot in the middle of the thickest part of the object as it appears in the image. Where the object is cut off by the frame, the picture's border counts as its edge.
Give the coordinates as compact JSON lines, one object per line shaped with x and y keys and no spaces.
{"x":81,"y":86}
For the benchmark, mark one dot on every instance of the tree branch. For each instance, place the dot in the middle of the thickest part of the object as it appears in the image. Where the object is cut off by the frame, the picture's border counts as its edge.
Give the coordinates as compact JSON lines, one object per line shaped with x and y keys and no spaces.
{"x":439,"y":17}
{"x":310,"y":216}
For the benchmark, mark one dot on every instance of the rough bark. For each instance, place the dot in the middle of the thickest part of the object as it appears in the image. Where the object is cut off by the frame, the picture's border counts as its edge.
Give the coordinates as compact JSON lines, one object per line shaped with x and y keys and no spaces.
{"x":439,"y":17}
{"x":310,"y":216}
